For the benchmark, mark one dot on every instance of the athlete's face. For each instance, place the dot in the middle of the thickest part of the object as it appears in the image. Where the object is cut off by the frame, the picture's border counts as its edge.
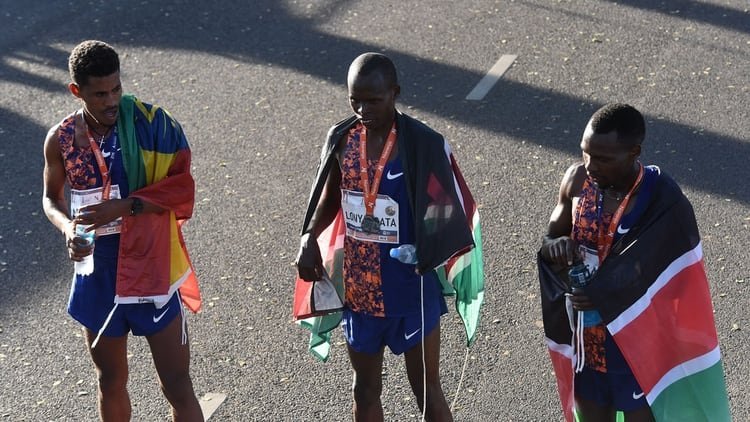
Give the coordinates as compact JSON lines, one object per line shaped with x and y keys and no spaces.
{"x":608,"y":162}
{"x":373,"y":100}
{"x":101,"y":97}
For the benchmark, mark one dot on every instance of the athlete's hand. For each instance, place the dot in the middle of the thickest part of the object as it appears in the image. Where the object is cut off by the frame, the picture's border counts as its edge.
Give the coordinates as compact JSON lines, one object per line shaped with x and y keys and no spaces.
{"x":580,"y":301}
{"x":561,"y":250}
{"x":309,"y":263}
{"x":103,"y":213}
{"x":77,"y":248}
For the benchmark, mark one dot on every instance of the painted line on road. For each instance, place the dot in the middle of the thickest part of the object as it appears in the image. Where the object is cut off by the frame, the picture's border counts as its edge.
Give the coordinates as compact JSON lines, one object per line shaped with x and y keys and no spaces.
{"x":490,"y":79}
{"x":210,"y":402}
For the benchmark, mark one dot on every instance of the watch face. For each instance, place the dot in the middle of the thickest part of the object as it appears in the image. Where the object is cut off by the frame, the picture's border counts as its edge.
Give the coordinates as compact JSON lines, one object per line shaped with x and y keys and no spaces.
{"x":136,"y":207}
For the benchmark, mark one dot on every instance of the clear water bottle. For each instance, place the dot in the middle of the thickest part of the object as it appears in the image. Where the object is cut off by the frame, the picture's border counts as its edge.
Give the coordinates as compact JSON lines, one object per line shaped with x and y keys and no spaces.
{"x":579,"y":277}
{"x":86,"y":265}
{"x":405,"y":253}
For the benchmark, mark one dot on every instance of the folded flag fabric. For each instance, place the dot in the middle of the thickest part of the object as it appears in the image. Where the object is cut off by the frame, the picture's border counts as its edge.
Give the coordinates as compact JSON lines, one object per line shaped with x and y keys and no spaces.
{"x":323,"y":297}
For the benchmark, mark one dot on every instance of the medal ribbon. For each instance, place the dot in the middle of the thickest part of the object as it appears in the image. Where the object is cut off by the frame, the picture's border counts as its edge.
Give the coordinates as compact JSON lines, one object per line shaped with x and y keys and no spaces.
{"x":605,"y":240}
{"x":371,"y":194}
{"x":106,"y":181}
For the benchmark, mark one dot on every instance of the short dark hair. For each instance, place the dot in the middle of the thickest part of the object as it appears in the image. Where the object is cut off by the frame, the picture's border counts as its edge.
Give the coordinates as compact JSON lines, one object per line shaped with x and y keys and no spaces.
{"x":371,"y":62}
{"x":622,"y":118}
{"x":92,"y":58}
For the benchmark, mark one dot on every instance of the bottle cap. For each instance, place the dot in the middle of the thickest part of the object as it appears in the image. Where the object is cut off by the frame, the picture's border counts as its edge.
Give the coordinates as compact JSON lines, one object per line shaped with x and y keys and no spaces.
{"x":394,"y":253}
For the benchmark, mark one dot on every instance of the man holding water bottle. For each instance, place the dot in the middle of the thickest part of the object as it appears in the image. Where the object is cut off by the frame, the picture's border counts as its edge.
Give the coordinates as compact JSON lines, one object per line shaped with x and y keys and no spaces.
{"x":121,"y":209}
{"x":621,"y":264}
{"x":386,"y":180}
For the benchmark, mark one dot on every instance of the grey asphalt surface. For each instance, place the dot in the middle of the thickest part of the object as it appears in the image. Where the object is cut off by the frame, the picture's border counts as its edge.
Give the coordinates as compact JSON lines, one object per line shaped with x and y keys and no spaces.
{"x":257,"y":84}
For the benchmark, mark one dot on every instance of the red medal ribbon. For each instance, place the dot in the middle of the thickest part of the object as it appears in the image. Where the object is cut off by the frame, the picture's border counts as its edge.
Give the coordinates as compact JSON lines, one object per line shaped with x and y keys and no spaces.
{"x":605,"y":240}
{"x":371,"y":194}
{"x":106,"y":182}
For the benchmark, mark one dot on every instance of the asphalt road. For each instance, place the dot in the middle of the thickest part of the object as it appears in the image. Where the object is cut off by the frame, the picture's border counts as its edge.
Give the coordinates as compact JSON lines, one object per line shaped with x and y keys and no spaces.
{"x":257,"y":84}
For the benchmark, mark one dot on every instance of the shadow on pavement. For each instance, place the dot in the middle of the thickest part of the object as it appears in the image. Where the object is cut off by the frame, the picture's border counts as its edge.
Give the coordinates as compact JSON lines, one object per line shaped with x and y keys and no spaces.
{"x":712,"y":14}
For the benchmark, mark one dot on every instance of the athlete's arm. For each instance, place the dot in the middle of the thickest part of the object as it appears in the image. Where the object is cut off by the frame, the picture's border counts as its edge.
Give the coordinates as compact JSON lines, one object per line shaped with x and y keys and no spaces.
{"x":309,"y":261}
{"x":103,"y":213}
{"x":53,"y":198}
{"x":557,"y":246}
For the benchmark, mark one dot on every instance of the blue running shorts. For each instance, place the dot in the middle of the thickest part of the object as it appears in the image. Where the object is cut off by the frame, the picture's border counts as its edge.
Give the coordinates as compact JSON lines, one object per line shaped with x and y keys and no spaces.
{"x":617,"y":387}
{"x":92,"y":299}
{"x":368,"y":334}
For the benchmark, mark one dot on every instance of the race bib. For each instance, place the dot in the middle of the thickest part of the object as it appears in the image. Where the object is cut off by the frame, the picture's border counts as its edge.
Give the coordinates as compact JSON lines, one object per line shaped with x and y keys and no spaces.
{"x":386,"y":213}
{"x":80,"y":198}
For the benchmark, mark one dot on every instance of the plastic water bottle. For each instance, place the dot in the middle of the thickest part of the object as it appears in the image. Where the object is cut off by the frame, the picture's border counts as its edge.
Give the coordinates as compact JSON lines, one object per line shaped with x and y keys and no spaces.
{"x":579,"y":277}
{"x":86,"y":265}
{"x":405,"y":253}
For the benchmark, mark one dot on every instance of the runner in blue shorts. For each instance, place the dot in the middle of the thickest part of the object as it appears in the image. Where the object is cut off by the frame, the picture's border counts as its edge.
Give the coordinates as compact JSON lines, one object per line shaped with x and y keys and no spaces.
{"x":388,"y":179}
{"x":141,"y":271}
{"x":609,"y":189}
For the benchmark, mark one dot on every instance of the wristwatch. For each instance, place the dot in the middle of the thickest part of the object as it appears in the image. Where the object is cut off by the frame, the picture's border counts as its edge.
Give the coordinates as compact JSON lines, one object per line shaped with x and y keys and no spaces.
{"x":136,"y":206}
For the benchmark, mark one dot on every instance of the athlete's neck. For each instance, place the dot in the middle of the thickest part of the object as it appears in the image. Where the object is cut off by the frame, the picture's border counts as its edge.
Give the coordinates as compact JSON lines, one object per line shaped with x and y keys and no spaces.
{"x":624,"y":187}
{"x":378,"y":135}
{"x":94,"y":125}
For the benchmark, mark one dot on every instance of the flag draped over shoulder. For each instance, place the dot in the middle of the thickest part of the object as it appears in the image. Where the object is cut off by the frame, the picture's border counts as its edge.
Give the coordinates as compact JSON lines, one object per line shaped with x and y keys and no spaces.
{"x":652,"y":293}
{"x":463,"y":274}
{"x":153,"y":261}
{"x":447,"y":227}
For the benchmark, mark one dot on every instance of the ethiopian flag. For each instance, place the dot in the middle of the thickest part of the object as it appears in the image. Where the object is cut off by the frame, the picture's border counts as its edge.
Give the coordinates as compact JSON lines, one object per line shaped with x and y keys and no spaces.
{"x":154,"y":262}
{"x":652,"y":292}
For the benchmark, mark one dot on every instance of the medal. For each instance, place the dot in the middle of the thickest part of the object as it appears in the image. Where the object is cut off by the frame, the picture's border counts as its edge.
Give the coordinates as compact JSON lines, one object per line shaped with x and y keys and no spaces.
{"x":370,"y":224}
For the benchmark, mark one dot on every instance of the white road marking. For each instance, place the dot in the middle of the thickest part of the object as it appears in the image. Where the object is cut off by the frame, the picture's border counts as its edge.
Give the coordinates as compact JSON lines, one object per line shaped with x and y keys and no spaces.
{"x":210,"y":402}
{"x":490,"y":79}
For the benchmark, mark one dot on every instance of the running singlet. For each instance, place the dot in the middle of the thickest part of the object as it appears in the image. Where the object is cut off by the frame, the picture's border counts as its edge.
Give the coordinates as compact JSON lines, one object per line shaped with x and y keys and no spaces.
{"x":376,"y":284}
{"x":83,"y":173}
{"x":586,"y":226}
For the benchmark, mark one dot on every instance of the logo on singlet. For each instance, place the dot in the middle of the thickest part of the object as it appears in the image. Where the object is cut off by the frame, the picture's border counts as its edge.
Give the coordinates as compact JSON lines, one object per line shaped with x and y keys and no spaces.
{"x":390,"y":176}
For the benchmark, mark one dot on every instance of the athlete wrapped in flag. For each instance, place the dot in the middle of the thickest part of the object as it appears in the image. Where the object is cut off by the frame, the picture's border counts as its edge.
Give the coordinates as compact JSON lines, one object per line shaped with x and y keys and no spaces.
{"x":456,"y":259}
{"x":119,"y":168}
{"x":651,"y":349}
{"x":386,"y":181}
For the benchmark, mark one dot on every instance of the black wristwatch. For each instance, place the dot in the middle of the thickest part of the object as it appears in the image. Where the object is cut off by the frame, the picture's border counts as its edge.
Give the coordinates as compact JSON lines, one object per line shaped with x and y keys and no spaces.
{"x":136,"y":207}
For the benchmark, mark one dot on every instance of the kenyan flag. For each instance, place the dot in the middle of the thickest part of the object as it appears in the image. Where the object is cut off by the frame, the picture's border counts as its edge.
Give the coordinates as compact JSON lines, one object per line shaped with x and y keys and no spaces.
{"x":682,"y":376}
{"x":463,"y":275}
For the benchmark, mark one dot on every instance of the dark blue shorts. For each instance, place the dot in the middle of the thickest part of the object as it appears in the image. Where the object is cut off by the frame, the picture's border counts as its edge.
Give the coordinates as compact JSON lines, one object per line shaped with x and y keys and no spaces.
{"x":368,"y":334}
{"x":616,"y":388}
{"x":92,"y":299}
